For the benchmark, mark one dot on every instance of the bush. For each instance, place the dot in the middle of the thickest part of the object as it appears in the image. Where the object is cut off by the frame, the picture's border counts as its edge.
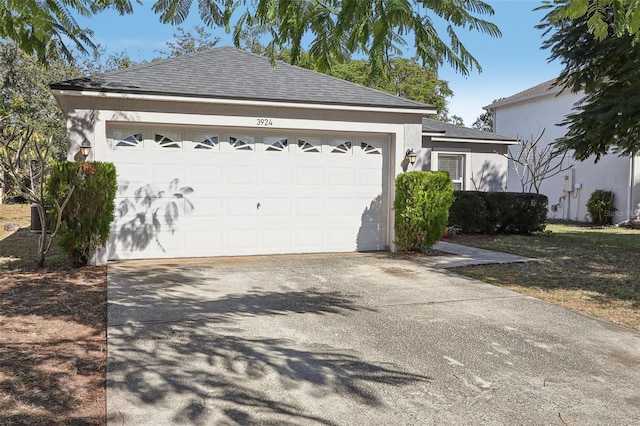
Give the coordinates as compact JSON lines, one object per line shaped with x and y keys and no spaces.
{"x":86,"y":220}
{"x":421,"y":208}
{"x":600,"y":207}
{"x":469,"y":212}
{"x":502,"y":212}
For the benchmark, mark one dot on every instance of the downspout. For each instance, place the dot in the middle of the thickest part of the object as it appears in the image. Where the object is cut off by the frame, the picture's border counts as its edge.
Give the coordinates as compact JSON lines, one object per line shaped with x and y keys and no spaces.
{"x":632,"y":163}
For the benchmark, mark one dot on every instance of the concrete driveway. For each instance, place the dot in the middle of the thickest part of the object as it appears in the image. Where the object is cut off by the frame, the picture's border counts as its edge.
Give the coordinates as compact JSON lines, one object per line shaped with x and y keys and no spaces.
{"x":354,"y":339}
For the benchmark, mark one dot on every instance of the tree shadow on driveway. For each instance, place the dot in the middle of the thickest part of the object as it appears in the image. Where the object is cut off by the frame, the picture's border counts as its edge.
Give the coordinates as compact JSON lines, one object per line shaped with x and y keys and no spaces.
{"x":185,"y":352}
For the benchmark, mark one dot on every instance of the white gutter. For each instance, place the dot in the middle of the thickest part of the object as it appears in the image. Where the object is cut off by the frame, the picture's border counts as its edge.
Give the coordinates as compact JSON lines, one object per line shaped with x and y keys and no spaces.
{"x":216,"y":101}
{"x":491,"y":141}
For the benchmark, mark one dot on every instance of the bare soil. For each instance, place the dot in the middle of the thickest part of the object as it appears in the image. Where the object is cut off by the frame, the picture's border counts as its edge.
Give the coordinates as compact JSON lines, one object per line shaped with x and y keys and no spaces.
{"x":52,"y":336}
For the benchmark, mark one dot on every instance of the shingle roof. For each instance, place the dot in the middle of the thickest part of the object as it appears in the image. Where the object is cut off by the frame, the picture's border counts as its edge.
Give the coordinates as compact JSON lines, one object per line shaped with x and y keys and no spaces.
{"x":540,"y":89}
{"x":230,"y":73}
{"x":452,"y":131}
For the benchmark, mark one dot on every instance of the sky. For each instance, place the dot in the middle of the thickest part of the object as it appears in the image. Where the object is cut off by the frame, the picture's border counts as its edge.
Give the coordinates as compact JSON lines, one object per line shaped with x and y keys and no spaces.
{"x":510,"y":64}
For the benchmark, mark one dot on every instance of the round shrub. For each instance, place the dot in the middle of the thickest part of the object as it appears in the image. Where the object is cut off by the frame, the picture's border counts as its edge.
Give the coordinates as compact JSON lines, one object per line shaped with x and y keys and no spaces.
{"x":600,"y":207}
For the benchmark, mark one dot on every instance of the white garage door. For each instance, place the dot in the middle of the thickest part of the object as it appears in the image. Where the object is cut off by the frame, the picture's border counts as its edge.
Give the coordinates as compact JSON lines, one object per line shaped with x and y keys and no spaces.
{"x":219,"y":192}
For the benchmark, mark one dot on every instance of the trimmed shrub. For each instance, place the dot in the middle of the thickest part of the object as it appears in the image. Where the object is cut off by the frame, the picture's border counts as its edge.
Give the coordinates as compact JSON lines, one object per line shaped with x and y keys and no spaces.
{"x":469,"y":212}
{"x":87,"y":218}
{"x":421,"y":208}
{"x":502,"y":212}
{"x":600,"y":207}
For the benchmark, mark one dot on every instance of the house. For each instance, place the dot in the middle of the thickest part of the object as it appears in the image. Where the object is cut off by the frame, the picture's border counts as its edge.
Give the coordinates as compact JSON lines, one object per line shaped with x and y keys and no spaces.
{"x":536,"y":112}
{"x":218,"y":153}
{"x":475,"y":159}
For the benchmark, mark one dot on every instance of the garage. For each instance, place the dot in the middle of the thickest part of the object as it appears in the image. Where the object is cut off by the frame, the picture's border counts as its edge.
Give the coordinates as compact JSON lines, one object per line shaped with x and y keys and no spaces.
{"x":213,"y":192}
{"x":216,"y":162}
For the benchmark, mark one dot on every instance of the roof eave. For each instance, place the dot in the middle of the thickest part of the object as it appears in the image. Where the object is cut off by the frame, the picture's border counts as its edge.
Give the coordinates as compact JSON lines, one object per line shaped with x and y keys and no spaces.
{"x":555,"y":91}
{"x":63,"y":90}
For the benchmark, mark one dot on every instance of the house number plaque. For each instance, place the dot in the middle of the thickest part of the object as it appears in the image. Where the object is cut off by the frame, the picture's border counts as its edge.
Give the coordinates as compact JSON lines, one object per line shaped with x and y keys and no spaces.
{"x":264,"y":122}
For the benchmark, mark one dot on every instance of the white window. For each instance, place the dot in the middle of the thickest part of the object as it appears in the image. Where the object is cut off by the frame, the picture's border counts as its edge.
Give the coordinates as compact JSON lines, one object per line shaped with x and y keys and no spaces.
{"x":455,"y":165}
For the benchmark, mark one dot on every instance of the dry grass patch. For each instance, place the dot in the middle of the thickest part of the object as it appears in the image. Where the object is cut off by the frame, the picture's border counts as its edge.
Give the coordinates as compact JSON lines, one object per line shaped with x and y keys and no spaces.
{"x":591,"y":270}
{"x":52,"y":336}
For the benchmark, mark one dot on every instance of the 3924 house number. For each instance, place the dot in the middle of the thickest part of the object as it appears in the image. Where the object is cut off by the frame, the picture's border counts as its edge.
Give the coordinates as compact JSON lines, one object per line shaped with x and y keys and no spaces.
{"x":264,"y":122}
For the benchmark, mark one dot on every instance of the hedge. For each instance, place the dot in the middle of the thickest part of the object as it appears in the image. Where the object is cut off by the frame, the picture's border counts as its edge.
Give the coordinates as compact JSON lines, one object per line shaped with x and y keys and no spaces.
{"x":501,"y":212}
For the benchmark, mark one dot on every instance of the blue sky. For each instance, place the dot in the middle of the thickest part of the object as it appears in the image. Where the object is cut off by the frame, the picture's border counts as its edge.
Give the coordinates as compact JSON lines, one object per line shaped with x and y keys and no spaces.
{"x":510,"y":64}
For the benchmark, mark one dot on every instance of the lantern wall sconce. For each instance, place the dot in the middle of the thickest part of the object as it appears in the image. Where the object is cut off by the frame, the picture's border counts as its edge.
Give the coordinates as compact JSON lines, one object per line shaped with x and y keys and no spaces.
{"x":410,"y":156}
{"x":85,"y":148}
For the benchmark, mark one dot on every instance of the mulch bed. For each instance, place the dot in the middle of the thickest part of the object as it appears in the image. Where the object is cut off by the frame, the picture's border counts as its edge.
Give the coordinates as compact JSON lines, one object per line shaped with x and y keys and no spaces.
{"x":53,"y":346}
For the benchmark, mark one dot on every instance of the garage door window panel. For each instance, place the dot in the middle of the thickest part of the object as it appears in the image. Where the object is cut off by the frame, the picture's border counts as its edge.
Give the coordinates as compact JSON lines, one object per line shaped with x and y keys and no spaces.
{"x":168,"y":140}
{"x":242,"y":143}
{"x":275,"y":144}
{"x":206,"y":142}
{"x":127,"y":139}
{"x":370,"y":149}
{"x":341,"y":146}
{"x":310,"y":145}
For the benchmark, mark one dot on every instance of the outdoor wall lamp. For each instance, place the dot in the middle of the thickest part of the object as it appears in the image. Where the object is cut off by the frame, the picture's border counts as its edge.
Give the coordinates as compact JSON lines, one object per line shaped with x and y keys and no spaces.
{"x":85,"y":148}
{"x":410,"y":156}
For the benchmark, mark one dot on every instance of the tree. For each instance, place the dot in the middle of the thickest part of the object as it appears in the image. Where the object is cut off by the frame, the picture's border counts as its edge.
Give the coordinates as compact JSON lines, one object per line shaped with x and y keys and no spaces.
{"x":25,"y":158}
{"x":484,"y":122}
{"x":25,"y":97}
{"x":186,"y":42}
{"x":533,"y":164}
{"x":47,"y":28}
{"x":404,"y":77}
{"x":608,"y":71}
{"x":337,"y":28}
{"x":604,"y":18}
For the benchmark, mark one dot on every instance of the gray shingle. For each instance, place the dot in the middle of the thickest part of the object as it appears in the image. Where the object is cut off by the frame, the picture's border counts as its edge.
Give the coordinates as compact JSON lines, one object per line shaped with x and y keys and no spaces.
{"x":230,"y":73}
{"x":449,"y":130}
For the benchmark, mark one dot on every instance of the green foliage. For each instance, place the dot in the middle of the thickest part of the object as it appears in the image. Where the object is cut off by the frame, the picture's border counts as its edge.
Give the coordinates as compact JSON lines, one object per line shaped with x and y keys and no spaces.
{"x":604,"y":18}
{"x":421,"y":208}
{"x":469,"y":212}
{"x":600,"y":207}
{"x":337,"y":28}
{"x":502,"y":212}
{"x":86,"y":221}
{"x":186,"y":42}
{"x":608,"y":71}
{"x":25,"y":97}
{"x":46,"y":28}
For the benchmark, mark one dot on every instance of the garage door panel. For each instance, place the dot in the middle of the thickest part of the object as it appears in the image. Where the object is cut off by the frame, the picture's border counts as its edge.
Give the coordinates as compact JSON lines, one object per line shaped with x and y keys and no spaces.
{"x":238,"y":175}
{"x":309,"y":207}
{"x":206,"y":175}
{"x":306,"y":239}
{"x":342,"y":176}
{"x":166,"y":175}
{"x":310,"y":176}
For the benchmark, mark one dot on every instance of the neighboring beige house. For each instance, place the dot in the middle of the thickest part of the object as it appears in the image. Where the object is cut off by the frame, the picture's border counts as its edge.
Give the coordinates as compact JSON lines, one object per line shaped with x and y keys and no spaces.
{"x":526,"y":114}
{"x":219,"y":153}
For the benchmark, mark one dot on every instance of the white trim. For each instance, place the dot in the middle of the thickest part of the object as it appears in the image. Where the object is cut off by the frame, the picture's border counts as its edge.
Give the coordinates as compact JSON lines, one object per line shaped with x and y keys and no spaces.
{"x":166,"y":98}
{"x":491,"y":141}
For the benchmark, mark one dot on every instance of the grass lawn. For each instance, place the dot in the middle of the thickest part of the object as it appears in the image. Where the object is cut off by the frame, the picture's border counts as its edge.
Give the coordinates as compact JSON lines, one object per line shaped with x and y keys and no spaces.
{"x":52,"y":333}
{"x":595,"y":271}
